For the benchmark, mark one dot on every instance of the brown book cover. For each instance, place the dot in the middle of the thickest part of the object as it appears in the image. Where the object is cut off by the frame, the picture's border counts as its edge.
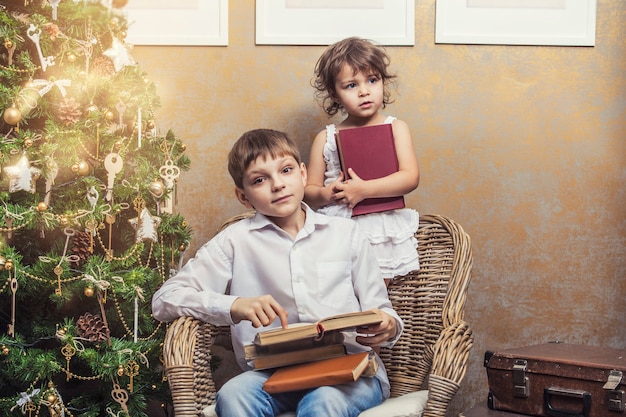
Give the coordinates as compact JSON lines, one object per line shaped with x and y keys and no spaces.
{"x":333,"y":371}
{"x":253,"y":351}
{"x":316,"y":330}
{"x":298,"y":356}
{"x":371,"y":152}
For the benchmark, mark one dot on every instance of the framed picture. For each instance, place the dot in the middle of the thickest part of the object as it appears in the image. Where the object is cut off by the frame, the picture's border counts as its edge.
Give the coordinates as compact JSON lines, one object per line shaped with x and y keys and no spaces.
{"x":322,"y":22}
{"x":180,"y":22}
{"x":516,"y":22}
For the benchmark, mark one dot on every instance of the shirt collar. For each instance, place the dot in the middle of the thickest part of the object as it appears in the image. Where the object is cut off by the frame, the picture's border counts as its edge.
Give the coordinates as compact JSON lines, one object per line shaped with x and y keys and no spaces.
{"x":313,"y":220}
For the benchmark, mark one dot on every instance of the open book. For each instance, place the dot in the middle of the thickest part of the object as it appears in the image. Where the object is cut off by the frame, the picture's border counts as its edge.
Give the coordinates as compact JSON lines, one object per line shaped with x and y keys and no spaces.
{"x":371,"y":152}
{"x":340,"y":370}
{"x":316,"y":330}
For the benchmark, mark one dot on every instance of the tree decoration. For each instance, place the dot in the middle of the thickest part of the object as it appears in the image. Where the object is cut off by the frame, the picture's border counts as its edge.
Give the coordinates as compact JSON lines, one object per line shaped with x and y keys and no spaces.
{"x":69,"y":111}
{"x":145,"y":224}
{"x":92,"y":328}
{"x":84,"y":168}
{"x":12,"y":115}
{"x":119,"y":54}
{"x":22,"y":176}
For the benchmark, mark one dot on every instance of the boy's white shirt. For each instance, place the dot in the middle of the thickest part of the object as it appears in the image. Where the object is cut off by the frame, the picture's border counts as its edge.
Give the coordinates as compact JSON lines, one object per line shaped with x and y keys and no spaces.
{"x":328,"y":269}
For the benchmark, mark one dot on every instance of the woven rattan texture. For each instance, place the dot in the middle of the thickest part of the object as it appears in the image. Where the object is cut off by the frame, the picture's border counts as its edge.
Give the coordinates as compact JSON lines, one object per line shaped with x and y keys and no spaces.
{"x":431,"y":354}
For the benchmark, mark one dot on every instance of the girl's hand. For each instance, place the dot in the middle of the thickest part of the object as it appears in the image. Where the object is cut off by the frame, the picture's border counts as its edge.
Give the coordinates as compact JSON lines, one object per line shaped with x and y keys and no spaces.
{"x":378,"y":334}
{"x":261,"y":311}
{"x":350,"y":192}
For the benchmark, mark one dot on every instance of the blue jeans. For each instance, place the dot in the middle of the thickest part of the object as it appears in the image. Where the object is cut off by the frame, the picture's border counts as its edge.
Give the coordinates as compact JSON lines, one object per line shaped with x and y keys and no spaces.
{"x":243,"y":395}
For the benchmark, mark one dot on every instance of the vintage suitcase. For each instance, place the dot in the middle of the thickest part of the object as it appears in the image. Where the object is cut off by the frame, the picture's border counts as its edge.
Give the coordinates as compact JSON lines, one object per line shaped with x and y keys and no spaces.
{"x":558,"y":380}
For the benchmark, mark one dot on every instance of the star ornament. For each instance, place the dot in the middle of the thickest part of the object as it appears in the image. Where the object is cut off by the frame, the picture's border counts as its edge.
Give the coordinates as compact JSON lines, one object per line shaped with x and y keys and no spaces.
{"x":146,"y":226}
{"x":119,"y":54}
{"x":22,"y":176}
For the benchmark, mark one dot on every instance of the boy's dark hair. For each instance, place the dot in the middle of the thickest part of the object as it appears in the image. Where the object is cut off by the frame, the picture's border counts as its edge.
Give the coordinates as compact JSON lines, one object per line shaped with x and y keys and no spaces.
{"x":258,"y":143}
{"x":362,"y":55}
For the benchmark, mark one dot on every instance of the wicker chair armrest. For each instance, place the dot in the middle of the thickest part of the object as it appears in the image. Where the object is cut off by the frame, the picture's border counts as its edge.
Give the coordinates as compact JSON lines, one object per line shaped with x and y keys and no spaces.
{"x":450,"y":357}
{"x":187,"y":367}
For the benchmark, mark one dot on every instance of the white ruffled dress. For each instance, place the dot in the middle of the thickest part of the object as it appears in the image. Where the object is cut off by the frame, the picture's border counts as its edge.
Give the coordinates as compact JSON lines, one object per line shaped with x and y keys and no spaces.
{"x":390,"y":232}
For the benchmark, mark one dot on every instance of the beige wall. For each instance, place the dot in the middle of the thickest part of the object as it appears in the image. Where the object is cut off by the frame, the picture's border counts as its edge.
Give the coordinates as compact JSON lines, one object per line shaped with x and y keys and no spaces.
{"x":524,"y":146}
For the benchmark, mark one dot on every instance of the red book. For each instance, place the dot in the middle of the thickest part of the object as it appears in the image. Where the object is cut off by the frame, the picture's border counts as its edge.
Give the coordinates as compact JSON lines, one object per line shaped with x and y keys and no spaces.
{"x":371,"y":152}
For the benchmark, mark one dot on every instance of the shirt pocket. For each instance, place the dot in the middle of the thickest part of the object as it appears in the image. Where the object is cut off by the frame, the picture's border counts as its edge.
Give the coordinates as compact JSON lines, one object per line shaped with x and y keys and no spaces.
{"x":334,"y":286}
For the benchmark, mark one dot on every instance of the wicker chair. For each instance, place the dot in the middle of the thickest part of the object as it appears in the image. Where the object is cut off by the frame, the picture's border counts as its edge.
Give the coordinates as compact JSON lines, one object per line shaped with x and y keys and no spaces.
{"x":426,"y":365}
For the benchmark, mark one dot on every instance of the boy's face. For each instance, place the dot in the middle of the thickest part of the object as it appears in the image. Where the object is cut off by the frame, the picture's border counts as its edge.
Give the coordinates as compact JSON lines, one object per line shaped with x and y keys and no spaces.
{"x":273,"y":186}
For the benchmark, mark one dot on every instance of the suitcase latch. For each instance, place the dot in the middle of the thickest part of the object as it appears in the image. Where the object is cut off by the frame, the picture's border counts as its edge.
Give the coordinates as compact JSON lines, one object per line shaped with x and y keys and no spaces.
{"x":615,"y":378}
{"x":520,"y":380}
{"x":615,"y":398}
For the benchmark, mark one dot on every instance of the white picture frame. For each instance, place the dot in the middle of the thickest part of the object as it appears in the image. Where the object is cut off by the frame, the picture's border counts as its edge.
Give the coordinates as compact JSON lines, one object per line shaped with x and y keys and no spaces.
{"x":516,"y":22}
{"x":180,"y":22}
{"x":322,"y":22}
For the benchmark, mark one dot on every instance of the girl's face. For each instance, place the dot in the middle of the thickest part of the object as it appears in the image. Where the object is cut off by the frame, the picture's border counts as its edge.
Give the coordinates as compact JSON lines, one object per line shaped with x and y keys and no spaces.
{"x":361,"y":94}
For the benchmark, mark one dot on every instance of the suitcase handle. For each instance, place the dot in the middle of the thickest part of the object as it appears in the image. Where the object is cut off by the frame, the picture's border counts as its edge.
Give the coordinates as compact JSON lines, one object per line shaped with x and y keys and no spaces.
{"x":585,"y":397}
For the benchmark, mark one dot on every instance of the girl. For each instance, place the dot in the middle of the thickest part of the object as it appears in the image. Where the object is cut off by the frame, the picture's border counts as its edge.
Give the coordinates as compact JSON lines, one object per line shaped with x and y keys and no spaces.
{"x":352,"y":76}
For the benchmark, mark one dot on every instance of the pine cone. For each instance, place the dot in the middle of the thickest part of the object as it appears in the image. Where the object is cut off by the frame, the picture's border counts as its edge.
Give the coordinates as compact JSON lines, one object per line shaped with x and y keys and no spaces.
{"x":102,"y":67}
{"x":81,"y":248}
{"x":69,"y":111}
{"x":92,"y":328}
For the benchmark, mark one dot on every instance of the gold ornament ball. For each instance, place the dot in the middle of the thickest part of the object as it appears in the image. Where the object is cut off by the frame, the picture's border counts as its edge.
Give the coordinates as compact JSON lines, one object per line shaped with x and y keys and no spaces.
{"x":64,"y":220}
{"x":117,"y":145}
{"x":120,"y":370}
{"x":51,"y":398}
{"x":83,"y":168}
{"x":89,"y":292}
{"x":119,"y":3}
{"x":42,"y":206}
{"x":122,"y":34}
{"x":114,"y":23}
{"x":150,"y":125}
{"x":5,"y":350}
{"x":8,"y":264}
{"x":157,"y":188}
{"x":182,"y":248}
{"x":28,"y":142}
{"x":8,"y":43}
{"x":109,"y":115}
{"x":71,"y":57}
{"x":12,"y":115}
{"x":183,"y":147}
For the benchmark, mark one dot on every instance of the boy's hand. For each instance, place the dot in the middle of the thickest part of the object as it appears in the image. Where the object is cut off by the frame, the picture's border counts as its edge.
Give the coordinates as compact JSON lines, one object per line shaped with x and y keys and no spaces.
{"x":378,"y":334}
{"x":261,"y":311}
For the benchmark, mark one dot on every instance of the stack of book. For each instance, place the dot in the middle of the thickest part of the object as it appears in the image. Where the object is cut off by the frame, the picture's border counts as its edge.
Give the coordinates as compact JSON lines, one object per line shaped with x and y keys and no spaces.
{"x":312,"y":354}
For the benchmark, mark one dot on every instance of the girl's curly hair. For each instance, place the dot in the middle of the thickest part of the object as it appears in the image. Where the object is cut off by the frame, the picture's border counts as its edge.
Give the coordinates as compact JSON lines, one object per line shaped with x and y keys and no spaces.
{"x":362,"y":55}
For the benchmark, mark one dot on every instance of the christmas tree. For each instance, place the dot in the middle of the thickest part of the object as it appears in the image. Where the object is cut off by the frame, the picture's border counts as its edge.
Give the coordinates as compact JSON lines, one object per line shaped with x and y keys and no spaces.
{"x":87,"y":226}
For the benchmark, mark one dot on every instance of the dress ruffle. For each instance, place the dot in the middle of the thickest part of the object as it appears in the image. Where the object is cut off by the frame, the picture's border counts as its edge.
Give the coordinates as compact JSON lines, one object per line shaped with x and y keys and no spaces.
{"x":391,"y":234}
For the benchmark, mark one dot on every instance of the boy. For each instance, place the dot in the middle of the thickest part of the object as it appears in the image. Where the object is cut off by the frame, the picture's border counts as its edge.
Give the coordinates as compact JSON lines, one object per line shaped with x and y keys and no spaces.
{"x":287,"y":264}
